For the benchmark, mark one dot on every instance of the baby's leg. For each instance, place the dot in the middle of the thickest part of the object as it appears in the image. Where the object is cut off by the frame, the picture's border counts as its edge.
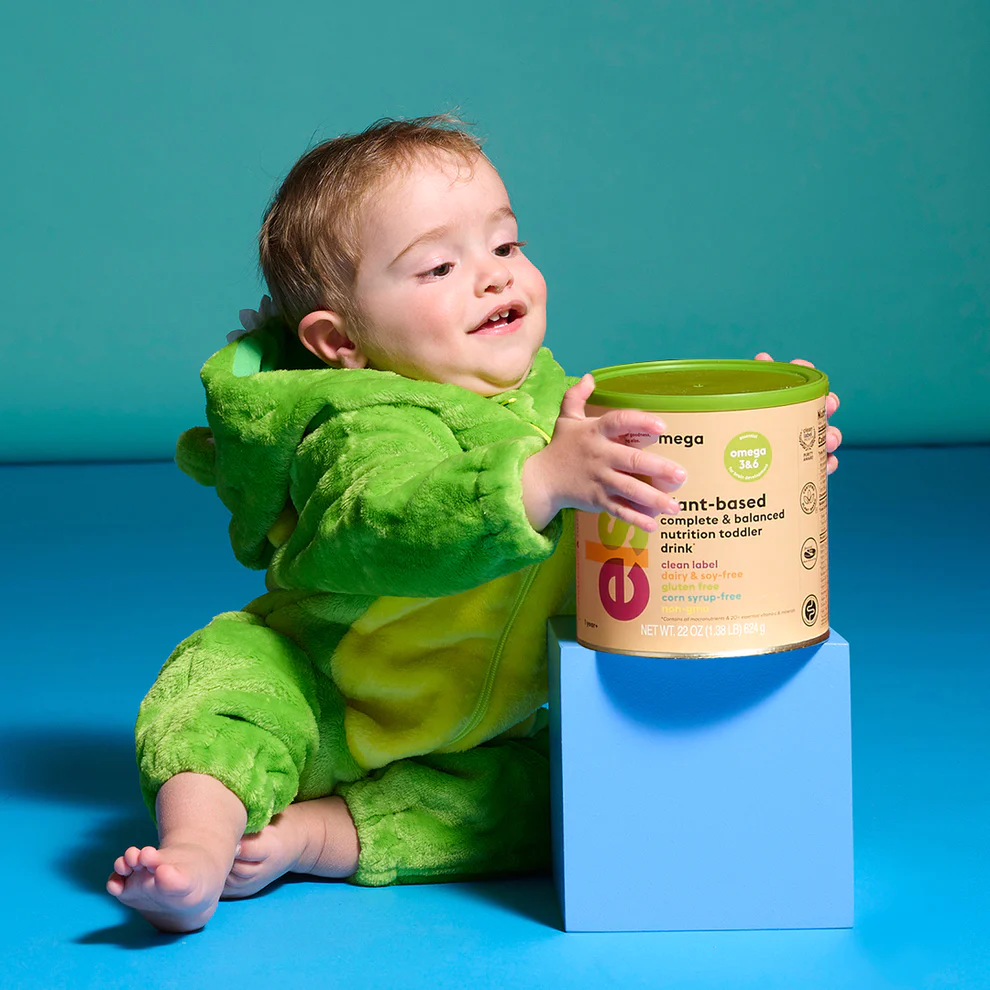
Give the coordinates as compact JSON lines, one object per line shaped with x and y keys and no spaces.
{"x":240,"y":703}
{"x":177,"y":885}
{"x":314,"y":837}
{"x":454,"y":816}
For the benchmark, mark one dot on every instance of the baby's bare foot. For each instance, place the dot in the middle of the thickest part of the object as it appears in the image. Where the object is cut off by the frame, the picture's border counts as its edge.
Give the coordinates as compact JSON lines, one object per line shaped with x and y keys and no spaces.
{"x":176,"y":887}
{"x":314,"y":837}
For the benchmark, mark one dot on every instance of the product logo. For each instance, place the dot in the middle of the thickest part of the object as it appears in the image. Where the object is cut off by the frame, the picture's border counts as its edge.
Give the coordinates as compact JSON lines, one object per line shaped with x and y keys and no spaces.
{"x":809,"y":610}
{"x":748,"y":456}
{"x":623,"y":586}
{"x":809,"y":553}
{"x":809,"y":498}
{"x":807,"y":437}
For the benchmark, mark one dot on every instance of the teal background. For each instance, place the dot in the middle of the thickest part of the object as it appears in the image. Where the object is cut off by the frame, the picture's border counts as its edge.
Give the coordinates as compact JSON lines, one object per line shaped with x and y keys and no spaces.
{"x":695,"y":179}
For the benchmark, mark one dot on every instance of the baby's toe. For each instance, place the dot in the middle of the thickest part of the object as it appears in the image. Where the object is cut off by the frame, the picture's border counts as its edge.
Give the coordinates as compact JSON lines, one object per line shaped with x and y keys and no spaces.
{"x":150,"y":858}
{"x":173,"y":881}
{"x":241,"y":872}
{"x":256,"y":847}
{"x":246,"y":879}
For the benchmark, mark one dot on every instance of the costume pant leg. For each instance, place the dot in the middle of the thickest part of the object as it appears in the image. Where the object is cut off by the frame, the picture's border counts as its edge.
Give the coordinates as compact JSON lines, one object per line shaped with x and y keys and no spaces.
{"x":242,"y":703}
{"x":451,"y":816}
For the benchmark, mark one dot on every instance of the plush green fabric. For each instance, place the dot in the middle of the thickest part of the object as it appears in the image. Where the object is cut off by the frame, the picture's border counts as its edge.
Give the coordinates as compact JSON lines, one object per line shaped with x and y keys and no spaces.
{"x":455,"y":816}
{"x":406,"y":619}
{"x":243,"y":703}
{"x":369,"y":457}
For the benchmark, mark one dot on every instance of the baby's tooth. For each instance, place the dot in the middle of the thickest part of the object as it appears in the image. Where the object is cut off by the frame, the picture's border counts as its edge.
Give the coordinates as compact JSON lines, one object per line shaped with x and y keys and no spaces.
{"x":505,"y":315}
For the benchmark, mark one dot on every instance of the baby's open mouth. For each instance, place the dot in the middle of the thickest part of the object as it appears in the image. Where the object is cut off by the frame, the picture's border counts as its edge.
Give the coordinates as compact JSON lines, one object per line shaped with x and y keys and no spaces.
{"x":499,"y":321}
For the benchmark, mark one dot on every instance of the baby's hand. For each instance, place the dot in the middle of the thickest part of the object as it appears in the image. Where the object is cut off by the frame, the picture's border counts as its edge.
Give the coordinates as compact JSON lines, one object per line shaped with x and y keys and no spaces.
{"x":832,"y":435}
{"x":595,"y":464}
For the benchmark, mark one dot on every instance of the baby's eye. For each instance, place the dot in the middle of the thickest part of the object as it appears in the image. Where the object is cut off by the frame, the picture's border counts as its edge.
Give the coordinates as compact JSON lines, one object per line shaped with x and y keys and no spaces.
{"x":508,"y":249}
{"x":440,"y":271}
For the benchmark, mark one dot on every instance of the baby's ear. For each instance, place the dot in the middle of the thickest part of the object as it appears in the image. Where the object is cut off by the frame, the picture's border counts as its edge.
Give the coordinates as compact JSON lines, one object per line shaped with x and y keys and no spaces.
{"x":325,"y":334}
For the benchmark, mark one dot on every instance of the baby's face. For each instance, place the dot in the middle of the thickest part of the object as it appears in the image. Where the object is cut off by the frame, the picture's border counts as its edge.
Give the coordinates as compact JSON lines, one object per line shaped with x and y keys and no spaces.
{"x":440,"y":266}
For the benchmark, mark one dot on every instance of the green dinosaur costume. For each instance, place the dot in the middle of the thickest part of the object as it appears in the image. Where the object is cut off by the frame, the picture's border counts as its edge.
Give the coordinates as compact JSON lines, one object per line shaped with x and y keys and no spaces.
{"x":399,"y":657}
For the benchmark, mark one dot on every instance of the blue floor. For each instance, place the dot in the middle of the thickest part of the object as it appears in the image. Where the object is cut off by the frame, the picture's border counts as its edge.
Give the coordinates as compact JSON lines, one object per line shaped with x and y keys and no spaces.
{"x":107,"y":567}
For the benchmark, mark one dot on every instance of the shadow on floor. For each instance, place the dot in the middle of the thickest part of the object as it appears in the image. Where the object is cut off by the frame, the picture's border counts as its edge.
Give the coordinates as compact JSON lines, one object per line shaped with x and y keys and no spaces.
{"x":532,"y":898}
{"x":92,"y":774}
{"x":90,"y":861}
{"x":85,"y":766}
{"x":95,"y":769}
{"x":133,"y":933}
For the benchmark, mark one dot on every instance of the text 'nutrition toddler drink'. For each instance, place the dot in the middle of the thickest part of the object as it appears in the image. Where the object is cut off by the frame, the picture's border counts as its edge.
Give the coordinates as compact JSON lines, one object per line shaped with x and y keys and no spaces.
{"x":743,"y":568}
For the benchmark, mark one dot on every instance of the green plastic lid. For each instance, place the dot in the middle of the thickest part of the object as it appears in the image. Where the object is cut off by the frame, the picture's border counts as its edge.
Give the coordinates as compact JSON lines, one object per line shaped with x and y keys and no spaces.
{"x":706,"y":386}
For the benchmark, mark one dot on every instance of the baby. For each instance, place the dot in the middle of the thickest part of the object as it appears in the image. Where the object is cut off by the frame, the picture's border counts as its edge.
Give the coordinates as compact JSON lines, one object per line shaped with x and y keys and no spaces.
{"x":396,"y":449}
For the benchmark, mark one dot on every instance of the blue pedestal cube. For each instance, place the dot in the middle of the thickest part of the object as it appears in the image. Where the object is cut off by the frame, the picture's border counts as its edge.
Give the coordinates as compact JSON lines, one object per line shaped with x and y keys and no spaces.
{"x":701,"y":794}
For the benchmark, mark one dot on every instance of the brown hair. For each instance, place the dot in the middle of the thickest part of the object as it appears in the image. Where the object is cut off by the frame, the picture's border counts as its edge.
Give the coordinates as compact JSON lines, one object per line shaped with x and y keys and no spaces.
{"x":308,"y":241}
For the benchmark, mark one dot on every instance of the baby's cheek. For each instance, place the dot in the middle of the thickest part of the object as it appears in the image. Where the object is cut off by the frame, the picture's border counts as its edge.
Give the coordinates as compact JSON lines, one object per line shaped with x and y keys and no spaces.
{"x":440,"y":317}
{"x":535,"y":283}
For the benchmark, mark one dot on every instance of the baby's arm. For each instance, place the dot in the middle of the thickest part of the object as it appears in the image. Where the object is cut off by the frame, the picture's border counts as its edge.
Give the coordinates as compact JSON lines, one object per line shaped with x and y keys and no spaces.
{"x":589,"y":465}
{"x":391,"y":503}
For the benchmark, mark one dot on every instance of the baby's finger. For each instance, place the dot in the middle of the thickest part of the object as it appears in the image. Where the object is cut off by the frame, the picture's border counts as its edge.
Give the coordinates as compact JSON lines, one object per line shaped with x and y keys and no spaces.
{"x":643,"y":496}
{"x":763,"y":356}
{"x":572,"y":405}
{"x":807,"y":364}
{"x":831,"y":403}
{"x":666,"y":474}
{"x":831,"y":464}
{"x":630,"y":513}
{"x":631,"y":426}
{"x":833,"y":439}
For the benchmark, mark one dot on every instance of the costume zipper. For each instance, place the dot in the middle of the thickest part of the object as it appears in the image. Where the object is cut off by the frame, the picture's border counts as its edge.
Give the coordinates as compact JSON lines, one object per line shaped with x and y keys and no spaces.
{"x":481,"y":706}
{"x":508,"y":402}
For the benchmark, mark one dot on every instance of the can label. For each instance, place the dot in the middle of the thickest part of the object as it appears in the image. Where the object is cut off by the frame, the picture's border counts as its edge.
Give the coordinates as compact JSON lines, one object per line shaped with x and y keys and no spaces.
{"x":742,"y":568}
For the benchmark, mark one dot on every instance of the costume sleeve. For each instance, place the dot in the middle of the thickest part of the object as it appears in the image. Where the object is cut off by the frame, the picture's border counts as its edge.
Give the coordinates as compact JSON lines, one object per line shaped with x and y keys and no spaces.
{"x":391,"y":503}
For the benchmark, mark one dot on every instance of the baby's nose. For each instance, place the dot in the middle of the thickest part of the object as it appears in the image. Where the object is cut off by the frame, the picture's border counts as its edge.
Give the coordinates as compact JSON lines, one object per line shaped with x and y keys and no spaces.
{"x":498,"y":279}
{"x":493,"y":275}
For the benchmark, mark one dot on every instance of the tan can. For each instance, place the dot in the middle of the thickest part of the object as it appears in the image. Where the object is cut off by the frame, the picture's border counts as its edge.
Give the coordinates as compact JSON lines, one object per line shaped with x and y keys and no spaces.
{"x":743,"y":567}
